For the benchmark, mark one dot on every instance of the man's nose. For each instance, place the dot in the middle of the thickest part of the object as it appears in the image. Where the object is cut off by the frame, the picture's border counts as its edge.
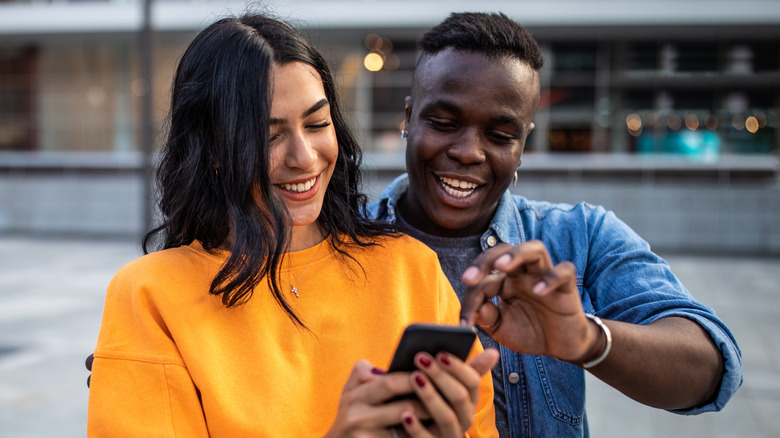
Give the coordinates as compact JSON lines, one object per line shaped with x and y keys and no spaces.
{"x":468,"y":148}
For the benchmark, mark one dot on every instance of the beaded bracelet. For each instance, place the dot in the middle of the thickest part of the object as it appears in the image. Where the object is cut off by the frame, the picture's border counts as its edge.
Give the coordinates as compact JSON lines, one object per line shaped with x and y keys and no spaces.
{"x":604,"y":353}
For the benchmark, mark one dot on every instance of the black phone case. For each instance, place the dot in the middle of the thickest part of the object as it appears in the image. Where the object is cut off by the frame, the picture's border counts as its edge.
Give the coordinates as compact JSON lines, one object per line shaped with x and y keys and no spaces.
{"x":432,"y":339}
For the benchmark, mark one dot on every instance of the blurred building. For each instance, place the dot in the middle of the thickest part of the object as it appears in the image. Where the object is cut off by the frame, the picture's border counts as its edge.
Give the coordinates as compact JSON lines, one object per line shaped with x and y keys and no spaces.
{"x":665,"y":111}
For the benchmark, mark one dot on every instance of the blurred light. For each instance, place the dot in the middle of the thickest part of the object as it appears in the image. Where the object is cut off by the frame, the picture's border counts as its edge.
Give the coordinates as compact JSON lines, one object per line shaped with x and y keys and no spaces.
{"x":373,"y":41}
{"x":761,"y":117}
{"x":633,"y":122}
{"x":674,"y":122}
{"x":711,"y":122}
{"x":635,"y":132}
{"x":738,"y":122}
{"x":392,"y":62}
{"x":373,"y":62}
{"x":751,"y":124}
{"x":692,"y":122}
{"x":385,"y":45}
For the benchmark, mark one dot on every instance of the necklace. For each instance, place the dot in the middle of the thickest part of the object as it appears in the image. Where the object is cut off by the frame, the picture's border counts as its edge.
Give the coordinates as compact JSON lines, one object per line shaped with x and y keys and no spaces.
{"x":294,"y":289}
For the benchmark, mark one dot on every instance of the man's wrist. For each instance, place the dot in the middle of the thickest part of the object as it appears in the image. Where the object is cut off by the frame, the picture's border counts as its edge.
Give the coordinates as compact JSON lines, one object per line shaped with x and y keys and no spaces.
{"x":603,"y":347}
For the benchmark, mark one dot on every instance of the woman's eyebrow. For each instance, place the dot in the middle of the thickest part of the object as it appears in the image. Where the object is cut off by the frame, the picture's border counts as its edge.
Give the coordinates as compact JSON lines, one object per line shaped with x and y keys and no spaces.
{"x":311,"y":110}
{"x":314,"y":108}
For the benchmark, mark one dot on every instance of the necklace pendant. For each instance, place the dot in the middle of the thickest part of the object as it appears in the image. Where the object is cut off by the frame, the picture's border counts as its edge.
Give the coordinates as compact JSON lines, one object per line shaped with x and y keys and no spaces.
{"x":295,"y":291}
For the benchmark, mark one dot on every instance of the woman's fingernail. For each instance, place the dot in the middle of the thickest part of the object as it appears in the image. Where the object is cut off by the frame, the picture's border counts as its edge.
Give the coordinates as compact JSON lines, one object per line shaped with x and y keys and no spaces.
{"x":418,"y":379}
{"x":471,"y":273}
{"x":444,"y":359}
{"x":424,"y":361}
{"x":377,"y":371}
{"x":539,"y":288}
{"x":408,"y":419}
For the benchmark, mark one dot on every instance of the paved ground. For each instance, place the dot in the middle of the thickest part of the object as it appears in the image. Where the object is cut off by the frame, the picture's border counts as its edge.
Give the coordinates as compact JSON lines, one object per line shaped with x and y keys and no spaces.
{"x":51,"y":297}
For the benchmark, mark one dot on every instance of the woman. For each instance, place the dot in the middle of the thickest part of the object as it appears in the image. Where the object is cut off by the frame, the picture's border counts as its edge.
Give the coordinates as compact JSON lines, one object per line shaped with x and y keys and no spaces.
{"x":273,"y":304}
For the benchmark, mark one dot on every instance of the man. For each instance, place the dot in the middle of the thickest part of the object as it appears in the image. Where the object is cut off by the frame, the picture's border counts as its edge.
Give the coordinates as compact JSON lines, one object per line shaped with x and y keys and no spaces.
{"x":546,"y":268}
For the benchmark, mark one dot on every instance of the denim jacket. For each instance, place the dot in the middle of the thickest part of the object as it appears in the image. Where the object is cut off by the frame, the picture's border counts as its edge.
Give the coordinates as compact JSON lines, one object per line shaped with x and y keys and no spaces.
{"x":618,"y":278}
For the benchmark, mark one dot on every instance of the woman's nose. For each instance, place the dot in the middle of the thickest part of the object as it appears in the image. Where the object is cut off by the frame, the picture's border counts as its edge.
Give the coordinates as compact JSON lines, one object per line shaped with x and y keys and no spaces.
{"x":300,"y":154}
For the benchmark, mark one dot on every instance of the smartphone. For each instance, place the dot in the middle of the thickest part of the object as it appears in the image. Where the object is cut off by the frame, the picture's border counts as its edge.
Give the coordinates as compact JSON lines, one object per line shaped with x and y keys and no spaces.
{"x":432,"y":339}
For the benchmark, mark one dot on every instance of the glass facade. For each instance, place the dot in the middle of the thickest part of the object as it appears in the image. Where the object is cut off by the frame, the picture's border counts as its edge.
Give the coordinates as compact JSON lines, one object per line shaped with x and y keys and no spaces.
{"x":604,"y":91}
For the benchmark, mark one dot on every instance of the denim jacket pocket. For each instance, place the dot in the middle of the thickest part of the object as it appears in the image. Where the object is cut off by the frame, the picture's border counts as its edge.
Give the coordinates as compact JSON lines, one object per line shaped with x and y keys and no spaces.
{"x":564,"y":389}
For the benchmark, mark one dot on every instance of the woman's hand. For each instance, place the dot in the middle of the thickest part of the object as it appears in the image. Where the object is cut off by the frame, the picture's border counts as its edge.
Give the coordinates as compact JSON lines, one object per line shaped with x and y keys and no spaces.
{"x":364,"y":409}
{"x":448,"y":389}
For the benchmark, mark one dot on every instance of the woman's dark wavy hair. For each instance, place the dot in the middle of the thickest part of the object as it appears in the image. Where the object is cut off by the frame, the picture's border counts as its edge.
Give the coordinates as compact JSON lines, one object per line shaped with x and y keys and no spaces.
{"x":214,"y":171}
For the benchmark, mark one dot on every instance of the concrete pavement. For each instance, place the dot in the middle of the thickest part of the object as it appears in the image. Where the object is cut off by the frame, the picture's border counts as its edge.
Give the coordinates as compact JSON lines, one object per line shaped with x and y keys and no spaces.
{"x":51,"y":298}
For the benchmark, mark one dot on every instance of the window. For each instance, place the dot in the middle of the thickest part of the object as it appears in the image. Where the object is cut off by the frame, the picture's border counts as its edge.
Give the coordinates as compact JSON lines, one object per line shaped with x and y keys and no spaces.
{"x":17,"y":118}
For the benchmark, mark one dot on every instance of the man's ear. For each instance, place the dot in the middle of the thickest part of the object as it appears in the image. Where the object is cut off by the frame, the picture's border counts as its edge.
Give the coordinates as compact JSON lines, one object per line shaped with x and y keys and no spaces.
{"x":407,"y":110}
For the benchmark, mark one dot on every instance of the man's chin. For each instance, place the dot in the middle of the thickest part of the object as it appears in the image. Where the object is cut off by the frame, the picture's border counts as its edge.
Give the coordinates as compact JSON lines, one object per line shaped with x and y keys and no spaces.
{"x":453,"y":225}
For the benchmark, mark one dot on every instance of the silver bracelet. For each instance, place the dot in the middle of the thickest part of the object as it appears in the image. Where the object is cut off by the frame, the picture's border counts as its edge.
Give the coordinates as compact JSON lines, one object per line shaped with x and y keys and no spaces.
{"x":604,"y":353}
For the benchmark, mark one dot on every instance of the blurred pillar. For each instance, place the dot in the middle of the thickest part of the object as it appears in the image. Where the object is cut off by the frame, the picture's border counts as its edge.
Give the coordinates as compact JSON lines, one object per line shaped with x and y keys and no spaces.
{"x":147,"y":121}
{"x":599,"y":141}
{"x":541,"y":135}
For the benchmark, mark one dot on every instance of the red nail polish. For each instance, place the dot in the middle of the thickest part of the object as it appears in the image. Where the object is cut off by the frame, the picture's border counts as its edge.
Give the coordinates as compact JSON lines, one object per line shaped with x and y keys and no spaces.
{"x":377,"y":371}
{"x":419,"y":381}
{"x":424,"y":361}
{"x":443,"y":358}
{"x":408,"y":420}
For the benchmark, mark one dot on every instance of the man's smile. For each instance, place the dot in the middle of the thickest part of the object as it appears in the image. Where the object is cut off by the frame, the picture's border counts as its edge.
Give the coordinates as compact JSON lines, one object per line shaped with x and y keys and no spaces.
{"x":457,"y":188}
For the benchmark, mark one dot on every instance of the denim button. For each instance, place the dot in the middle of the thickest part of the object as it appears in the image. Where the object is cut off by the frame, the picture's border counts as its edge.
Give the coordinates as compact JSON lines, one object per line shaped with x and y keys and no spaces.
{"x":514,"y":378}
{"x":491,"y":241}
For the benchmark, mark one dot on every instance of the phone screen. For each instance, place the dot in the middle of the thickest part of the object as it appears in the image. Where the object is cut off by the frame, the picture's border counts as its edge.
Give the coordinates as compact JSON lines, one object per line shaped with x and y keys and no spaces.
{"x":432,"y":339}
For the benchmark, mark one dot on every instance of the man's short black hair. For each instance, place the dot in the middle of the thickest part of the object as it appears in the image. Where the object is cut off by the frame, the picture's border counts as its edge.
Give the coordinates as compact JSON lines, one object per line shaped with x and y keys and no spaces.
{"x":492,"y":34}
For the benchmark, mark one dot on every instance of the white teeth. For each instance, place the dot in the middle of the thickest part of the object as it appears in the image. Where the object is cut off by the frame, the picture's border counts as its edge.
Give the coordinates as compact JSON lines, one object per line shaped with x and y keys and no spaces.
{"x":452,"y":185}
{"x":300,"y":187}
{"x":458,"y":183}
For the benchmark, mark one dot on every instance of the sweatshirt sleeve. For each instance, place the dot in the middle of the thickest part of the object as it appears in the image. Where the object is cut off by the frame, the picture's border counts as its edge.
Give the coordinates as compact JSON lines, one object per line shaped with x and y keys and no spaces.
{"x":140,"y":386}
{"x":134,"y":398}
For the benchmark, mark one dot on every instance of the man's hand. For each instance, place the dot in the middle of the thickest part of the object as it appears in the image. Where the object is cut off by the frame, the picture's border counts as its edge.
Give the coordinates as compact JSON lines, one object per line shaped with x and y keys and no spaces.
{"x":539,"y":311}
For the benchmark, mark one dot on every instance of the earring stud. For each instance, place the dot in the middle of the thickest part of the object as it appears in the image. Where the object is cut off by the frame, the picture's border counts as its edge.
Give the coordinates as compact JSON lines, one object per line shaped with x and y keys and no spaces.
{"x":404,"y":133}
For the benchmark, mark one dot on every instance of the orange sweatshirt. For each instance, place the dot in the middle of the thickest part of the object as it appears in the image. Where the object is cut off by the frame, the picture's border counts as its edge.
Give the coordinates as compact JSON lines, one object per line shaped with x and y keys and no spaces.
{"x":172,"y":361}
